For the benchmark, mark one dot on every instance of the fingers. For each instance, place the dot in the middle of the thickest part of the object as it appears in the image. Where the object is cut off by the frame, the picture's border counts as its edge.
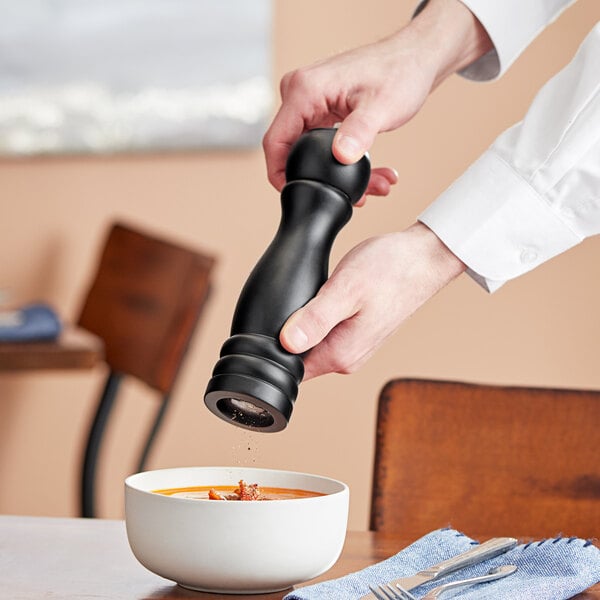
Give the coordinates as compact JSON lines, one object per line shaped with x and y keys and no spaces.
{"x":307,"y":104}
{"x":337,"y":353}
{"x":335,"y":341}
{"x":330,"y":327}
{"x":311,"y":324}
{"x":356,"y":135}
{"x":285,"y":129}
{"x":380,"y":183}
{"x":353,"y":139}
{"x":277,"y":142}
{"x":303,"y":107}
{"x":277,"y":150}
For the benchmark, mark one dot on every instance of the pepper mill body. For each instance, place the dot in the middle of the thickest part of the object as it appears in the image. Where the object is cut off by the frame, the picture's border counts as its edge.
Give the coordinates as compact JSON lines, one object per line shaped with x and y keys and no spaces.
{"x":255,"y":382}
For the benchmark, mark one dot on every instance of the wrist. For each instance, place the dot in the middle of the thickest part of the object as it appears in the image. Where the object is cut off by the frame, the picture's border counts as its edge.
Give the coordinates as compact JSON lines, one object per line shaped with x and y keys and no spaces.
{"x":451,"y":37}
{"x":444,"y":264}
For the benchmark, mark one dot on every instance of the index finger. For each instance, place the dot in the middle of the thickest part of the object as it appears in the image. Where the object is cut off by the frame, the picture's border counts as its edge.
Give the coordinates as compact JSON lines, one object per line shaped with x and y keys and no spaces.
{"x":286,"y":128}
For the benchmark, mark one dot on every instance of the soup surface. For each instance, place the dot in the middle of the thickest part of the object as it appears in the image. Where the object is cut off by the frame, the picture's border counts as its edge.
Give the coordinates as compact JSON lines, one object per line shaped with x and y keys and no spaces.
{"x":242,"y":491}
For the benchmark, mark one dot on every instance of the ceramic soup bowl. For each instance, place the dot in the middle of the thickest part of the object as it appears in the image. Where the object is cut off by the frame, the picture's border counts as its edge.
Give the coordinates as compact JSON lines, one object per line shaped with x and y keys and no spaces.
{"x":228,"y":546}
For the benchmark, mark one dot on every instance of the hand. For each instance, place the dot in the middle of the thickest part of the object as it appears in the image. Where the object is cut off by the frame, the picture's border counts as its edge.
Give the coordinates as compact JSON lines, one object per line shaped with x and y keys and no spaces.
{"x":363,"y":89}
{"x":374,"y":88}
{"x":375,"y":287}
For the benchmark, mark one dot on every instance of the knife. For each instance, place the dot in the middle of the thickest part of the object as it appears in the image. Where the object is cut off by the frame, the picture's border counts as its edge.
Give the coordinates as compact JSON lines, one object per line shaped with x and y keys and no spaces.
{"x":475,"y":555}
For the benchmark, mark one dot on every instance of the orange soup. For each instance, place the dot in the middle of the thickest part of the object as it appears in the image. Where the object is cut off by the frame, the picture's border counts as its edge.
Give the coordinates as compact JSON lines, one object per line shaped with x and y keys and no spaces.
{"x":242,"y":491}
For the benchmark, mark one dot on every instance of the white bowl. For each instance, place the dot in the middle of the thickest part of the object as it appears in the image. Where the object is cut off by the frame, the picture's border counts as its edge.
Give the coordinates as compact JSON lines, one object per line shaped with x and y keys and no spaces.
{"x":235,"y":547}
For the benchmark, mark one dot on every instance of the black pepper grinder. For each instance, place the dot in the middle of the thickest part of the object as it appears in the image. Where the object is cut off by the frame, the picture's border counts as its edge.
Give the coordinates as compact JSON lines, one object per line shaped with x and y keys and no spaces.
{"x":255,"y":382}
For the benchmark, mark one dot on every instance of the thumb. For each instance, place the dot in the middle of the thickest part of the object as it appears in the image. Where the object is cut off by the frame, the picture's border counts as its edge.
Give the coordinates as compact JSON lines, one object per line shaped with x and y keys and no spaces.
{"x":355,"y":136}
{"x":310,"y":324}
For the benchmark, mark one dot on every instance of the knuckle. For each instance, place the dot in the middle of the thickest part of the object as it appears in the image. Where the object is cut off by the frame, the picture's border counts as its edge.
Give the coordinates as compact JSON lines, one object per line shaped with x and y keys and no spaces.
{"x":272,"y":178}
{"x":342,"y":368}
{"x":266,"y":141}
{"x":284,"y":83}
{"x":343,"y":365}
{"x":318,"y":321}
{"x":347,"y":286}
{"x":340,"y":354}
{"x":296,"y":81}
{"x":349,"y":365}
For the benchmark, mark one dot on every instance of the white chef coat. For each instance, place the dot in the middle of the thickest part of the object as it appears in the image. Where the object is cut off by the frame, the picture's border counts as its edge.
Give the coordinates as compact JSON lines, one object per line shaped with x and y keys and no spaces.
{"x":536,"y":191}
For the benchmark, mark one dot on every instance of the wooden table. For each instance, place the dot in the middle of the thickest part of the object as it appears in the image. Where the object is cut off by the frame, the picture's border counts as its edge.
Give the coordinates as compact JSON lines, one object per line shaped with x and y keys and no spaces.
{"x":76,"y":348}
{"x":87,"y":559}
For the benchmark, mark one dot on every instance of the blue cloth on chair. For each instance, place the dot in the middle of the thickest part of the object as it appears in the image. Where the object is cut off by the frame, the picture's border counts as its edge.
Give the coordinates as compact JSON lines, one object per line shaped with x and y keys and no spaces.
{"x":554,"y":569}
{"x":31,"y":323}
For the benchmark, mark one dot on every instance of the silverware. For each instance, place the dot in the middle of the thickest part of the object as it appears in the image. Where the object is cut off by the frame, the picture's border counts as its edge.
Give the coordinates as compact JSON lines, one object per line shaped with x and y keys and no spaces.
{"x":386,"y":592}
{"x":492,"y":575}
{"x":475,"y":555}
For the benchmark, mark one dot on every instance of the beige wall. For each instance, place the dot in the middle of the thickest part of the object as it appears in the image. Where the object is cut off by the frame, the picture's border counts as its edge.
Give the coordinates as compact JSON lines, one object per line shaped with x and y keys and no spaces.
{"x":542,"y":329}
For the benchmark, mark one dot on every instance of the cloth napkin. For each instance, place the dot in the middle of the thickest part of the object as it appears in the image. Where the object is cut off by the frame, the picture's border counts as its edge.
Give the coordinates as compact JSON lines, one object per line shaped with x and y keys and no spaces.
{"x":31,"y":323}
{"x":553,"y":569}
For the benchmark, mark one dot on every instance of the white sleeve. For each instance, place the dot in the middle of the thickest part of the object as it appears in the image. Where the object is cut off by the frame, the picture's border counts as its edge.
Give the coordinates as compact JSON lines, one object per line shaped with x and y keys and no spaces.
{"x":536,"y":191}
{"x":512,"y":25}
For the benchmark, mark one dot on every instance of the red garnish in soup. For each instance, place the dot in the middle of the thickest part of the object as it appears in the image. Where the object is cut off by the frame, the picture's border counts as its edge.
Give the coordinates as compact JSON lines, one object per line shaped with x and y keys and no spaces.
{"x":214,"y":495}
{"x":243,"y":492}
{"x":247,"y":491}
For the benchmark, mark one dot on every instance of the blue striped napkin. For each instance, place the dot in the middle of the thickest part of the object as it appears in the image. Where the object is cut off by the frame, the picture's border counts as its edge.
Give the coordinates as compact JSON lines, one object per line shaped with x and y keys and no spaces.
{"x":31,"y":323}
{"x":553,"y":569}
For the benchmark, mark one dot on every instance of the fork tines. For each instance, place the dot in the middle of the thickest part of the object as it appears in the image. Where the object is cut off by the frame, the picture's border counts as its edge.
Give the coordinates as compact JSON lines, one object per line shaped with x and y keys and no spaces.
{"x":385,"y":591}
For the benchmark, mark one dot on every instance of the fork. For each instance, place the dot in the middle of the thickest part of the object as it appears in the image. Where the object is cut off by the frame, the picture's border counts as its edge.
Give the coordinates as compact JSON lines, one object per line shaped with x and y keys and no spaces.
{"x":387,"y":592}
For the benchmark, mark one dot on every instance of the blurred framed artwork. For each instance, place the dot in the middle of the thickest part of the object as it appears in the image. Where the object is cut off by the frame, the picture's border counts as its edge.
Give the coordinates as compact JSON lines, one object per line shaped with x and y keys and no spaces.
{"x":106,"y":76}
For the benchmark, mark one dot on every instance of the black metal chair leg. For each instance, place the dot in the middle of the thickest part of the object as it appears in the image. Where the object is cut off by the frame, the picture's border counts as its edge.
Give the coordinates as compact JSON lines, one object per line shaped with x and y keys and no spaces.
{"x":88,"y":472}
{"x":153,"y":431}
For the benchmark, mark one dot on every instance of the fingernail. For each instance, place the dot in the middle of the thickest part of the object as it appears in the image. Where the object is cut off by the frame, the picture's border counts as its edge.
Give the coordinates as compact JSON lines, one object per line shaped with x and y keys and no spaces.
{"x":396,"y":174}
{"x":295,"y":338}
{"x":349,"y":147}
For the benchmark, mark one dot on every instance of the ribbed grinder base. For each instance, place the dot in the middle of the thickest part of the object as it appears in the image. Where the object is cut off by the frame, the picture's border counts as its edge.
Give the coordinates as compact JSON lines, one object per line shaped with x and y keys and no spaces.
{"x":254,"y":383}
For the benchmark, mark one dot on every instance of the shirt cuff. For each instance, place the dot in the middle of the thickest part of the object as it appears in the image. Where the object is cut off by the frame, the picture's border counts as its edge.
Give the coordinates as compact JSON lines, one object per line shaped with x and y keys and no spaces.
{"x":511,"y":25}
{"x":497,"y":224}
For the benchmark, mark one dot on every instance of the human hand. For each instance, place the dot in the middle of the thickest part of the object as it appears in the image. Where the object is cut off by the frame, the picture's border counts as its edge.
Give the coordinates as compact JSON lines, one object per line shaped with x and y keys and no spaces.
{"x":374,"y":288}
{"x":356,"y":89}
{"x":372,"y":89}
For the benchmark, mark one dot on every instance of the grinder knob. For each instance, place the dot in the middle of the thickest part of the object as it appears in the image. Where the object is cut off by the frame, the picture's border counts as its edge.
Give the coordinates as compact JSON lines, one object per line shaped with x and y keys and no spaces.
{"x":255,"y":382}
{"x":311,"y":159}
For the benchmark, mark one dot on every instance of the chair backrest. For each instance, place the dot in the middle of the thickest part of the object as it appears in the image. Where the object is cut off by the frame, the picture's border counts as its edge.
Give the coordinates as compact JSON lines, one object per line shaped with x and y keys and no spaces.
{"x":487,"y":460}
{"x":144,"y":302}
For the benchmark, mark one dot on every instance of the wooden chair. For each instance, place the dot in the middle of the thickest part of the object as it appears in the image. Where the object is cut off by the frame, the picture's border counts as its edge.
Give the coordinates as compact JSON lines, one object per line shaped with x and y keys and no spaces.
{"x":489,"y":461}
{"x":144,"y":303}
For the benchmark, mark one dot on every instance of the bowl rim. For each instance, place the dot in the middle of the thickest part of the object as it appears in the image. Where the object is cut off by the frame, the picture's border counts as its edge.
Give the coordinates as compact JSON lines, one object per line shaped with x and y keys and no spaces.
{"x":130,"y":484}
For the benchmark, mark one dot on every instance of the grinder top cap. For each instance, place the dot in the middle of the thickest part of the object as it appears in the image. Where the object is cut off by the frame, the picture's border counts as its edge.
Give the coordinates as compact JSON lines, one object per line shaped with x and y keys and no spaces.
{"x":311,"y":158}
